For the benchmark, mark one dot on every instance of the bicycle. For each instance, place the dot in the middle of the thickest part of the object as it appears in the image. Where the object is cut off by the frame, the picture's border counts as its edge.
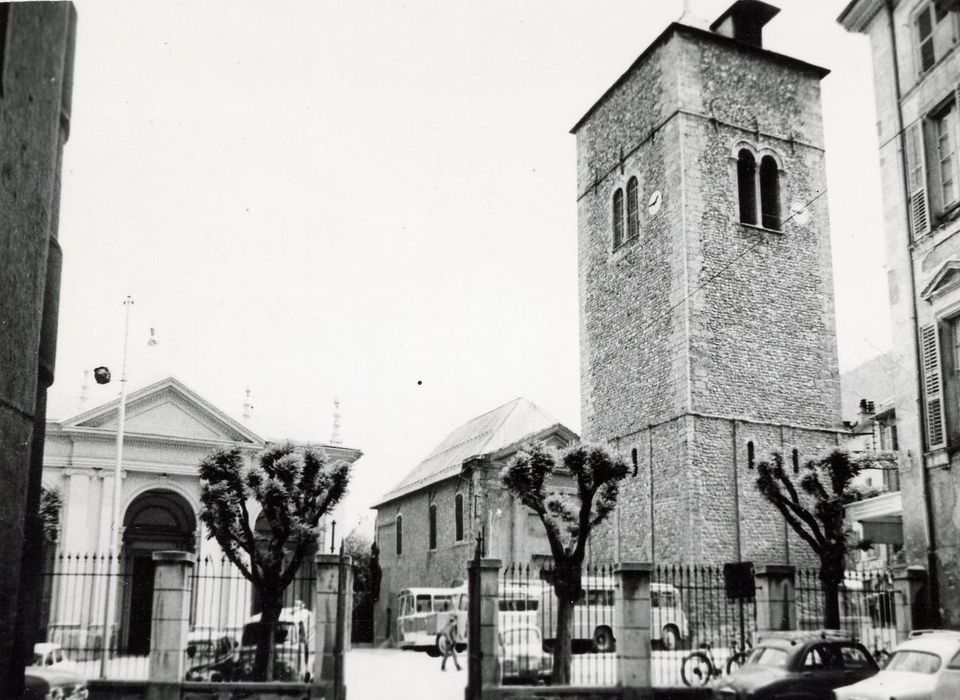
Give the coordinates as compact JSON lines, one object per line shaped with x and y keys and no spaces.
{"x":699,"y":667}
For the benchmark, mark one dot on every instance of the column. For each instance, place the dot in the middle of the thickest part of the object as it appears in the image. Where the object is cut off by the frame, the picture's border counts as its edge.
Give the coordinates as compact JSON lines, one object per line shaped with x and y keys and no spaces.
{"x":328,"y":666}
{"x":776,"y":598}
{"x":631,"y":627}
{"x":910,"y":604}
{"x":171,"y":621}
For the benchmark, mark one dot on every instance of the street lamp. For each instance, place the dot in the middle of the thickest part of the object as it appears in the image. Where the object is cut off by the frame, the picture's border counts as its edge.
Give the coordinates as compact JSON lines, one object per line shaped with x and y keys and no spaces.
{"x":117,"y":471}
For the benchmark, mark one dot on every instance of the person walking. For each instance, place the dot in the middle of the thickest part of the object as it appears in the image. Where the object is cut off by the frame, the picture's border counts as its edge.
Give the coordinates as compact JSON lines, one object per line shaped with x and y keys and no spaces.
{"x":449,"y":636}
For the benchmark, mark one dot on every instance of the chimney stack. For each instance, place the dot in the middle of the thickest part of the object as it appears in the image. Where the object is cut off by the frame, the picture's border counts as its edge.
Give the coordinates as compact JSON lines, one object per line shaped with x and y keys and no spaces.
{"x":744,"y":21}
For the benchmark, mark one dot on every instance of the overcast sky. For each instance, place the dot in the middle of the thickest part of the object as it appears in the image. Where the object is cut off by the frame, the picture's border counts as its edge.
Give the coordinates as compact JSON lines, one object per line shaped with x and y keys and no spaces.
{"x":318,"y":199}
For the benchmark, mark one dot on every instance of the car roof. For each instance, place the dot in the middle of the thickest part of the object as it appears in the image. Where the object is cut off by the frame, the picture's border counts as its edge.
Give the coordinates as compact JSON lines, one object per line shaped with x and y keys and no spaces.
{"x":793,"y":638}
{"x":44,"y":647}
{"x":945,"y":643}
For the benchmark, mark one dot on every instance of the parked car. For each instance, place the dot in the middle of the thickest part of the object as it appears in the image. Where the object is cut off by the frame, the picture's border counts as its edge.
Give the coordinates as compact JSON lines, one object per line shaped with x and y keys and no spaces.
{"x":213,"y":656}
{"x":49,"y":655}
{"x":808,"y":665}
{"x":52,"y":683}
{"x":521,"y":656}
{"x":924,"y":667}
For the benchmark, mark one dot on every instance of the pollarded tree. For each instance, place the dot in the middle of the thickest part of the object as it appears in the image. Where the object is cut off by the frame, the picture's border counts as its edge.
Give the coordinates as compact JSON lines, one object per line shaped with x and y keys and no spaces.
{"x":817,"y":515}
{"x":567,"y":518}
{"x":294,"y":489}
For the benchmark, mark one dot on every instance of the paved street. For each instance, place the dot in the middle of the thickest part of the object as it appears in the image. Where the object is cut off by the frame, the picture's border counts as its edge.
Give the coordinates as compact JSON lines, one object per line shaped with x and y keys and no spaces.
{"x":401,"y":675}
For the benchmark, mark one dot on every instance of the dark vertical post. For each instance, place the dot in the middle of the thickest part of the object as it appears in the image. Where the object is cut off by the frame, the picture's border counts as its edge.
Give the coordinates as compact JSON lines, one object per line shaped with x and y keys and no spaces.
{"x":475,"y":658}
{"x":339,"y":688}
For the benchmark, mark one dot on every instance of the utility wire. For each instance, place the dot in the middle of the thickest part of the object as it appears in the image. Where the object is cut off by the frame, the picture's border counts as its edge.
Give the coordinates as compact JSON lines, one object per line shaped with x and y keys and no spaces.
{"x":729,"y":264}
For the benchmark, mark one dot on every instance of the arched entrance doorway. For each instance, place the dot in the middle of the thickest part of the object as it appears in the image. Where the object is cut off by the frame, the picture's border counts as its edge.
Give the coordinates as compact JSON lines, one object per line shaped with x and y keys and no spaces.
{"x":157,"y":520}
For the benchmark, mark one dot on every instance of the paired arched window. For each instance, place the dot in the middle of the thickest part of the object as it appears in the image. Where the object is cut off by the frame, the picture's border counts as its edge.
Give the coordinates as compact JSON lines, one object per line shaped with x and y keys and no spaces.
{"x":399,"y":535}
{"x":432,"y":526}
{"x":618,"y":218}
{"x":458,"y":525}
{"x":633,"y":209}
{"x":632,"y":214}
{"x":758,"y":189}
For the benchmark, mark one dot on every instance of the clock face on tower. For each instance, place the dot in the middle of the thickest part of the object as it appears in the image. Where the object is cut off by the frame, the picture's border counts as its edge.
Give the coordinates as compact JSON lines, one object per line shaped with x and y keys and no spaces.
{"x":653,"y":206}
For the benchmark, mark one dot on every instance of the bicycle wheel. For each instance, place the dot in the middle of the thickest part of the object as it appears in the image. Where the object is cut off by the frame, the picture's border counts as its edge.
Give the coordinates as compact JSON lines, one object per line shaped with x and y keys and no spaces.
{"x":697,"y":669}
{"x":735,"y":661}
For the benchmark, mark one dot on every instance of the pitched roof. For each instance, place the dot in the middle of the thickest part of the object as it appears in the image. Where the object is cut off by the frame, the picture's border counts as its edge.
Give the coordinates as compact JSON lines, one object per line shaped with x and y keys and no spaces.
{"x":874,"y":380}
{"x":499,"y":428}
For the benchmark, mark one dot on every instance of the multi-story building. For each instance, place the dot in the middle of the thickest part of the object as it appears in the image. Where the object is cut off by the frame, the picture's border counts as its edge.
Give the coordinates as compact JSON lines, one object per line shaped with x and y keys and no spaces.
{"x":916,"y":77}
{"x":36,"y":80}
{"x":706,"y":291}
{"x":429,"y":523}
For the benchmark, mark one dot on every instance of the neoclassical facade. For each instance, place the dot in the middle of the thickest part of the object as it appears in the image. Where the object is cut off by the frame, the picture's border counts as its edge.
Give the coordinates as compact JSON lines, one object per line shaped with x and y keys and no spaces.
{"x":169,"y":429}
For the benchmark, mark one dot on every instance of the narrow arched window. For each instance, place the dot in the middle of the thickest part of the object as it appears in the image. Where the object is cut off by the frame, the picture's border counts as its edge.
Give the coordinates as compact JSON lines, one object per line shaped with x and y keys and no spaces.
{"x":636,"y":462}
{"x":750,"y":455}
{"x":432,"y":526}
{"x":618,"y":217}
{"x":399,"y":535}
{"x":795,"y":457}
{"x":458,"y":509}
{"x":633,"y":208}
{"x":770,"y":193}
{"x":747,"y":187}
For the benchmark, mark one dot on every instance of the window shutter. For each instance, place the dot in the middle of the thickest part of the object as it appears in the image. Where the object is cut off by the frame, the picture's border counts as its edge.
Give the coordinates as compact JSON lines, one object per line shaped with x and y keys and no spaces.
{"x":933,"y":403}
{"x":917,"y":182}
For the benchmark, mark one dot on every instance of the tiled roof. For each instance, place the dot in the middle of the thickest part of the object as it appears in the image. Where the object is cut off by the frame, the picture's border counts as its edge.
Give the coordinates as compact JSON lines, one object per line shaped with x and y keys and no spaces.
{"x":486,"y":433}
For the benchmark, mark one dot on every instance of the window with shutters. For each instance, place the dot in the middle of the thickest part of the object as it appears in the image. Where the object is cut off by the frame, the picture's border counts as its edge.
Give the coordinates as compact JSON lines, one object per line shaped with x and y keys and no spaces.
{"x":932,"y":386}
{"x":945,"y":132}
{"x":618,"y":218}
{"x":950,"y":379}
{"x":917,"y":180}
{"x":935,"y":33}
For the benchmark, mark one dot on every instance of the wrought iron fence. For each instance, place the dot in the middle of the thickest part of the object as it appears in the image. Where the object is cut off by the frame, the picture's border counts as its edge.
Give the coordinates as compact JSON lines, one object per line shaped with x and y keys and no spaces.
{"x":527,"y":620}
{"x":694,"y":628}
{"x":222,"y":602}
{"x":867,"y":602}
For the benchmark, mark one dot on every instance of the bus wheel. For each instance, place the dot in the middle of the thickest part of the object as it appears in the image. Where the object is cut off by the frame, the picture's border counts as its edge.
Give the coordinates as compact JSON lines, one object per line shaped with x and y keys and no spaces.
{"x":670,"y":637}
{"x":602,"y":640}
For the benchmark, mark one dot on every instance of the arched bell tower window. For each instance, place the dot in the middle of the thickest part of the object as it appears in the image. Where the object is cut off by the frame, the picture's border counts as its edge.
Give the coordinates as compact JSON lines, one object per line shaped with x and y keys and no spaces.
{"x":770,"y":193}
{"x":746,"y":187}
{"x":633,"y":208}
{"x":618,"y":218}
{"x":758,"y":190}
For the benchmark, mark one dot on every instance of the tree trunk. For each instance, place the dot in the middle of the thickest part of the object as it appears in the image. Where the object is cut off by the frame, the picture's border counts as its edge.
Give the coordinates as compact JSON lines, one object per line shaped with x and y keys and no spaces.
{"x":563,"y":649}
{"x":831,"y":576}
{"x":269,"y":615}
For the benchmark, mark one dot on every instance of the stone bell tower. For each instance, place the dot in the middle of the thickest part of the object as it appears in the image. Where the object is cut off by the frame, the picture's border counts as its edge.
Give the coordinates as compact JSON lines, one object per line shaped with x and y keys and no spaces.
{"x":707,"y":326}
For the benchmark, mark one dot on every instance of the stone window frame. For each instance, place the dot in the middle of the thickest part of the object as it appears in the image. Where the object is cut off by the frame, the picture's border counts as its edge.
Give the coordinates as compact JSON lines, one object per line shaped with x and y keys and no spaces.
{"x":623,"y":231}
{"x":767,"y":207}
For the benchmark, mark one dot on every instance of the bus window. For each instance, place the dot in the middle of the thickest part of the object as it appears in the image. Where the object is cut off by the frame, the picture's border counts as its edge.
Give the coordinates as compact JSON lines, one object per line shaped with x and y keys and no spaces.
{"x":442,"y":603}
{"x":424,"y":603}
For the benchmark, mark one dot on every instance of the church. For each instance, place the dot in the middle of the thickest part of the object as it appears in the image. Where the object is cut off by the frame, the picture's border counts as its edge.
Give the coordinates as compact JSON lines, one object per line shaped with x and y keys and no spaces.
{"x":169,"y":429}
{"x":707,"y":327}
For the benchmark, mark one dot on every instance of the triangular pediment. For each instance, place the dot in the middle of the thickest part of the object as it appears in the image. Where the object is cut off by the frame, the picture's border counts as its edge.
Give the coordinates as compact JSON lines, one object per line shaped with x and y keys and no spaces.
{"x":945,"y":278}
{"x":167,"y":408}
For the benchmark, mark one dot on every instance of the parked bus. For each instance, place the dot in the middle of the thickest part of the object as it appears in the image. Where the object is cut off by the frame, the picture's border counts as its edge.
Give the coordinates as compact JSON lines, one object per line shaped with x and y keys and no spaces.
{"x":417,"y":615}
{"x":593,"y":615}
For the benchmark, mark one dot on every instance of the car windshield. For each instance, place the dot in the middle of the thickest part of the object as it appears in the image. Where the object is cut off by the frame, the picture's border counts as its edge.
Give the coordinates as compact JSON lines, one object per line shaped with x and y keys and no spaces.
{"x":768,"y":656}
{"x":521,"y":637}
{"x":913,"y":662}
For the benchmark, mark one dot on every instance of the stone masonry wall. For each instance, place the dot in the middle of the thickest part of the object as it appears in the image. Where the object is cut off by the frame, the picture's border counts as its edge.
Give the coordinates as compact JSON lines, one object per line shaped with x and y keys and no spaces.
{"x":36,"y":78}
{"x":689,"y":352}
